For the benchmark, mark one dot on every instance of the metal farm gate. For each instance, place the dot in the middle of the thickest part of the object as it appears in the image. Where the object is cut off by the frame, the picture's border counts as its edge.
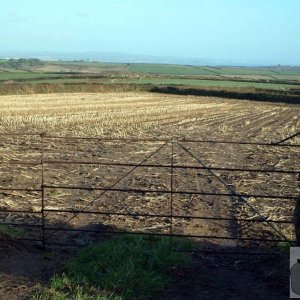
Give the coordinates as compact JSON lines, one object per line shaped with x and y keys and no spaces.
{"x":42,"y":230}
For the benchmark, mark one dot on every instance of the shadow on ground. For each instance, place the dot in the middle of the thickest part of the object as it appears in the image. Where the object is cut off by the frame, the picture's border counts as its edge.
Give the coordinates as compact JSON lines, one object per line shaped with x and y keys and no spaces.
{"x":25,"y":267}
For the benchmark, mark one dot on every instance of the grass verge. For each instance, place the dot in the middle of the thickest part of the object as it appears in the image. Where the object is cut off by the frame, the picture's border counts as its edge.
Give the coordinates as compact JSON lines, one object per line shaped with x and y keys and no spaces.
{"x":126,"y":267}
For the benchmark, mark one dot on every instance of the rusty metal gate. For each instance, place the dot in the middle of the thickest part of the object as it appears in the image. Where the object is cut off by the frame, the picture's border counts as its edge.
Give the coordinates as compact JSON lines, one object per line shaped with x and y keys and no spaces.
{"x":177,"y":151}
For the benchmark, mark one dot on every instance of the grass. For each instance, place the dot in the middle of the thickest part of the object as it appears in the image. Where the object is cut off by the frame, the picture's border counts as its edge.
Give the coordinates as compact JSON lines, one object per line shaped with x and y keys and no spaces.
{"x":169,"y":69}
{"x":24,"y":75}
{"x":39,"y":78}
{"x":287,"y":77}
{"x":11,"y":231}
{"x":284,"y":245}
{"x":204,"y":70}
{"x":126,"y":267}
{"x":168,"y":81}
{"x":246,"y":71}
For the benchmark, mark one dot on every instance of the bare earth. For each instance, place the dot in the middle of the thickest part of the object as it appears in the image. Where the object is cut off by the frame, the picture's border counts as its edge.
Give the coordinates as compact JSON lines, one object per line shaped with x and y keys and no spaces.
{"x":153,"y":116}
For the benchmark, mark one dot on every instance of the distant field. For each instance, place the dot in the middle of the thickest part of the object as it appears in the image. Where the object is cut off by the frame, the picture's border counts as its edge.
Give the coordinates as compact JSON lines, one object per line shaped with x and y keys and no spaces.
{"x":169,"y":81}
{"x":245,"y":71}
{"x":24,"y":75}
{"x":204,"y":70}
{"x":169,"y":69}
{"x":287,"y":77}
{"x":63,"y":72}
{"x":74,"y":80}
{"x":85,"y":67}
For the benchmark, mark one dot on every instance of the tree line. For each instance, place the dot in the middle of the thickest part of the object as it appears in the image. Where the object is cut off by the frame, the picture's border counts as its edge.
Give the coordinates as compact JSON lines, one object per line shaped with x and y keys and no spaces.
{"x":21,"y":63}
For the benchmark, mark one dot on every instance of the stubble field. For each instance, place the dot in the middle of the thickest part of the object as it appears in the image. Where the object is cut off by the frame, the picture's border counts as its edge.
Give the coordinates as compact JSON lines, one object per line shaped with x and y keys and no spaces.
{"x":146,"y":115}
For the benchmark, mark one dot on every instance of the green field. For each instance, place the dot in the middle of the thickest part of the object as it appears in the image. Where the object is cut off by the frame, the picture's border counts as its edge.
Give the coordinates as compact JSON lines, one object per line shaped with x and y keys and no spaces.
{"x":205,"y":70}
{"x":170,"y":81}
{"x":169,"y":69}
{"x":287,"y":77}
{"x":246,"y":71}
{"x":25,"y":75}
{"x":64,"y":72}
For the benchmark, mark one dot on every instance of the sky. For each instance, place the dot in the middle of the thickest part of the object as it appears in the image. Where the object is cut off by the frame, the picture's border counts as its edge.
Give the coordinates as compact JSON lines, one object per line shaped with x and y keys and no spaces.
{"x":258,"y":31}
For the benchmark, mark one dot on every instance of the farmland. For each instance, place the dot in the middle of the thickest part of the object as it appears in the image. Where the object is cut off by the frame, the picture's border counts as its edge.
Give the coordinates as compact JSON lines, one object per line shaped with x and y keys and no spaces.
{"x":31,"y":71}
{"x":140,"y":114}
{"x":149,"y":150}
{"x":143,"y":115}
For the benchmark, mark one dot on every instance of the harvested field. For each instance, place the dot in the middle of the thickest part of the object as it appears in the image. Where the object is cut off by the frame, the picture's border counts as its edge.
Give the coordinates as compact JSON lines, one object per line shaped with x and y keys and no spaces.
{"x":146,"y":115}
{"x":149,"y":115}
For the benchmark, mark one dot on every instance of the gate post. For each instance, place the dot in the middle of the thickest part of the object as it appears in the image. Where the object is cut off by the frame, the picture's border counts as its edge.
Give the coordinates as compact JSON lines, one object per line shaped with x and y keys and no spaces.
{"x":297,"y":221}
{"x":43,"y":191}
{"x":171,"y":195}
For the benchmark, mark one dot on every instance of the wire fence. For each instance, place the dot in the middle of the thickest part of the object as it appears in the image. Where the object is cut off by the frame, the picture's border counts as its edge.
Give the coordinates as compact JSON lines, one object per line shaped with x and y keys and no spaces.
{"x":46,"y":232}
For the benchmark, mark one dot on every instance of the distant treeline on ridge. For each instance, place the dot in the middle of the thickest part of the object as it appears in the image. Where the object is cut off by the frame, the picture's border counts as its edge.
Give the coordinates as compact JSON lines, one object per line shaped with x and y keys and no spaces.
{"x":21,"y":63}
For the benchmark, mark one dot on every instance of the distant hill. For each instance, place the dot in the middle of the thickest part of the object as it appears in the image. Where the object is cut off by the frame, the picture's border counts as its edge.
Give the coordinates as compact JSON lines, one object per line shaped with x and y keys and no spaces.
{"x":135,"y":58}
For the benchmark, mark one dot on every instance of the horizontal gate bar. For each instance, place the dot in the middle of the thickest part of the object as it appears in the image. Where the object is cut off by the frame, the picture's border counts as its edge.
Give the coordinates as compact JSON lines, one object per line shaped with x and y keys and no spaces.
{"x":20,"y":225}
{"x":187,"y":140}
{"x":19,"y":211}
{"x":239,"y":143}
{"x":169,"y":192}
{"x":15,"y":162}
{"x":163,"y":216}
{"x":213,"y":252}
{"x":168,"y":235}
{"x":106,"y":139}
{"x":230,"y":252}
{"x":20,"y":189}
{"x":19,"y":134}
{"x":28,"y":240}
{"x":78,"y":162}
